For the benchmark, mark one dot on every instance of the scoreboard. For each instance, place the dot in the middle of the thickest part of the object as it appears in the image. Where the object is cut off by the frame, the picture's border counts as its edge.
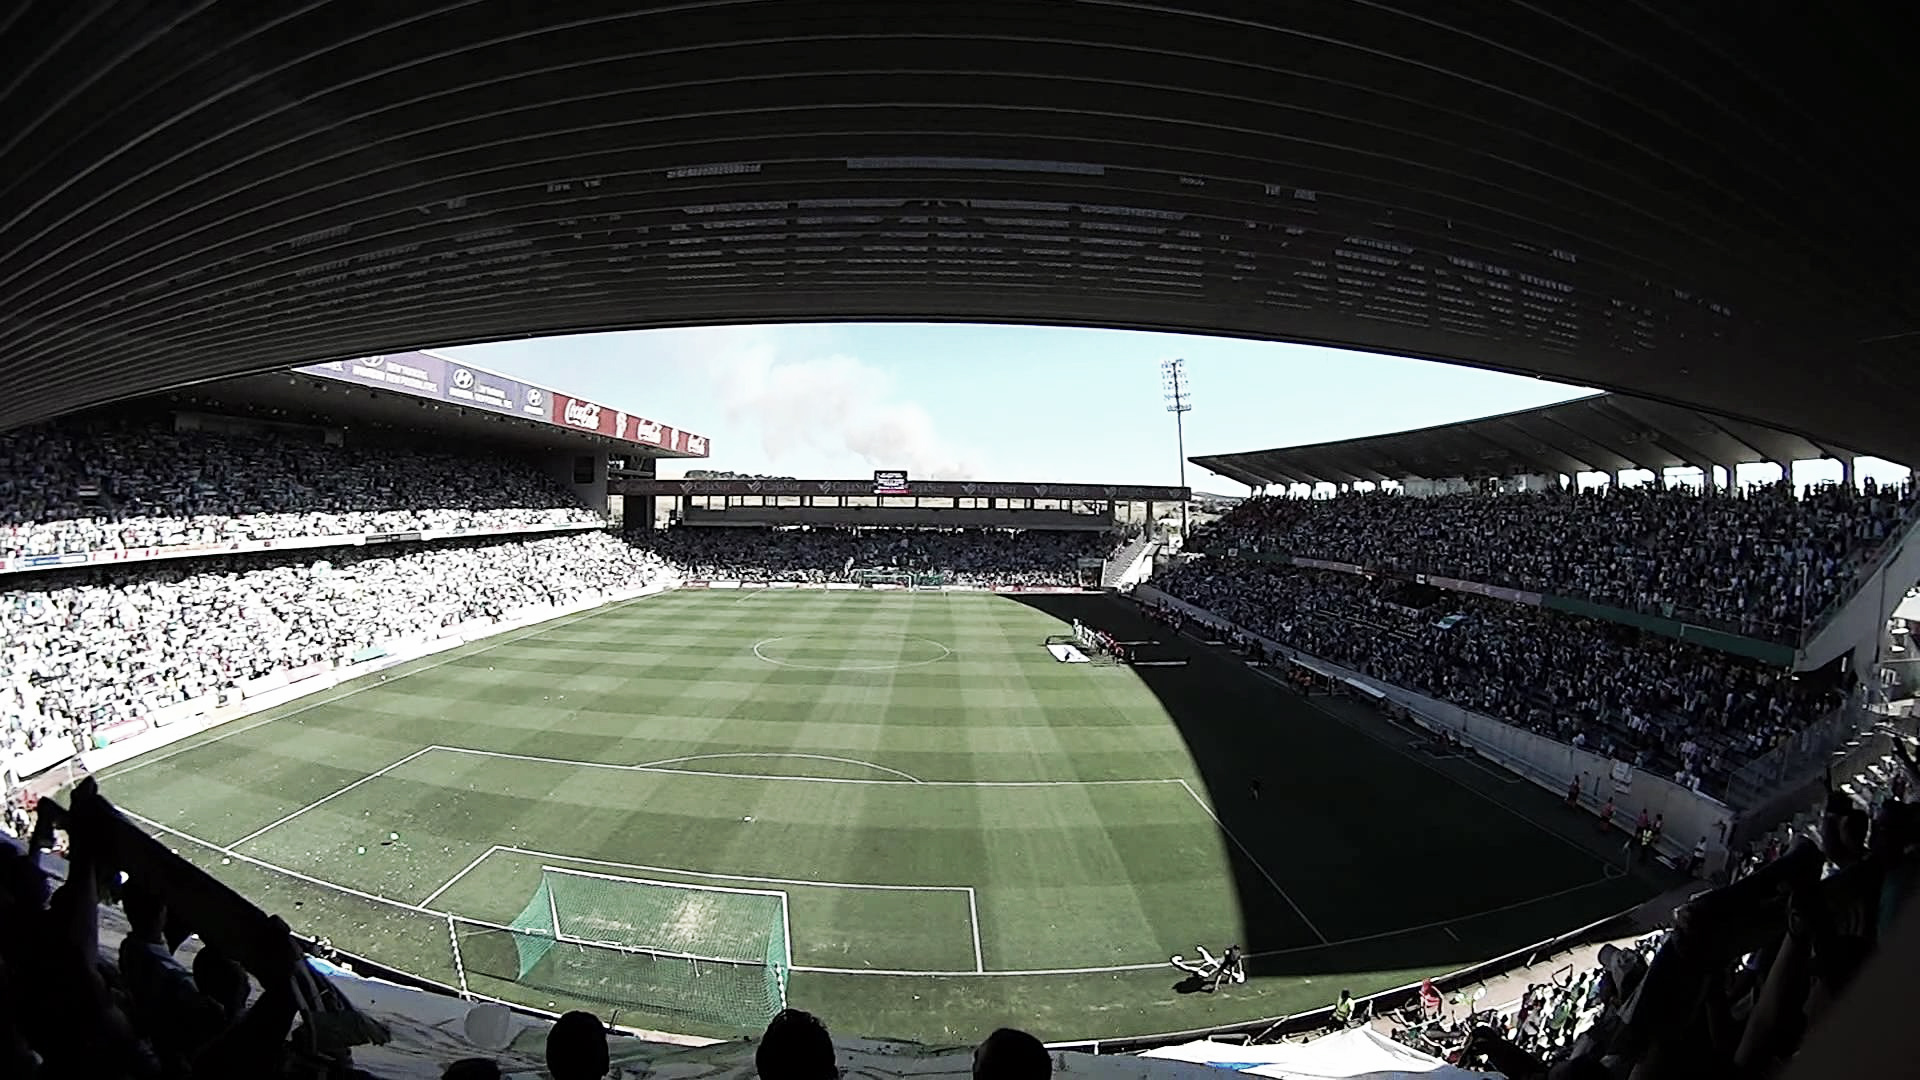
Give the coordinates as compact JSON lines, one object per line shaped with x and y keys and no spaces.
{"x":890,"y":482}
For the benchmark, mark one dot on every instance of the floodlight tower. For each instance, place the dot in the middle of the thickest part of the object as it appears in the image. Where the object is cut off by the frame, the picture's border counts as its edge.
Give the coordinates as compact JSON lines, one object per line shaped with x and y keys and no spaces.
{"x":1179,"y":394}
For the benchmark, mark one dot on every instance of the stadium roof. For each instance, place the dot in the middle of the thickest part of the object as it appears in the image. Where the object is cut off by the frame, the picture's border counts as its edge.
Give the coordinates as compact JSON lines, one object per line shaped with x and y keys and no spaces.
{"x":1681,"y":202}
{"x":1598,"y":433}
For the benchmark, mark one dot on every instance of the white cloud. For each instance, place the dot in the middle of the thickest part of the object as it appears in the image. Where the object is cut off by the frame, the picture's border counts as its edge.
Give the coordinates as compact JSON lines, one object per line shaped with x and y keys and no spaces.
{"x":832,"y":405}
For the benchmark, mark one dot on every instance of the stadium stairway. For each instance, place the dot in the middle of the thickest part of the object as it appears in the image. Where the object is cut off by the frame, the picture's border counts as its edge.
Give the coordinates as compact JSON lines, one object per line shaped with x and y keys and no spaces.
{"x":1121,"y":566}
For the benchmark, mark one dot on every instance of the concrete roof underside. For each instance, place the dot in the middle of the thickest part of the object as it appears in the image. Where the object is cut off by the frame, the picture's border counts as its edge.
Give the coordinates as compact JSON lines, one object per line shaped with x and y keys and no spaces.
{"x":1600,"y":433}
{"x":1699,"y":204}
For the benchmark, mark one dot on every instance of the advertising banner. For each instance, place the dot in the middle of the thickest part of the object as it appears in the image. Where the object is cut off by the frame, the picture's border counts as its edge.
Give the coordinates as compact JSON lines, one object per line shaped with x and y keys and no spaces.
{"x":414,"y":372}
{"x":496,"y":393}
{"x":583,"y":415}
{"x":429,"y":376}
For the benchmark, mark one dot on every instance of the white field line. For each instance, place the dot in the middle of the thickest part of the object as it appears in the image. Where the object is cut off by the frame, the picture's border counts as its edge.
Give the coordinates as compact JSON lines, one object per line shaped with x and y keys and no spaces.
{"x":973,"y":916}
{"x":455,"y":879}
{"x":575,"y":763}
{"x":1432,"y":768}
{"x":264,"y":829}
{"x":1228,"y":833}
{"x":453,"y":654}
{"x":570,"y":872}
{"x":294,"y":874}
{"x":1108,"y":969}
{"x":1499,"y":775}
{"x":810,"y":757}
{"x":530,"y":853}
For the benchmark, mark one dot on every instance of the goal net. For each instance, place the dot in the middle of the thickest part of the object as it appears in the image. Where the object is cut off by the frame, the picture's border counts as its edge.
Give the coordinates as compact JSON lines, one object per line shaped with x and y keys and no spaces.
{"x":716,"y":956}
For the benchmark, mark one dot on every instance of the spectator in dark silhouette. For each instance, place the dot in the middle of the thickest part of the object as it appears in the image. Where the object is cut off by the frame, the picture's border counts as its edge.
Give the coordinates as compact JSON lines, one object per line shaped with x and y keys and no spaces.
{"x":1011,"y":1055}
{"x":166,"y":1001}
{"x":796,"y":1046}
{"x":577,"y":1047}
{"x":221,"y":981}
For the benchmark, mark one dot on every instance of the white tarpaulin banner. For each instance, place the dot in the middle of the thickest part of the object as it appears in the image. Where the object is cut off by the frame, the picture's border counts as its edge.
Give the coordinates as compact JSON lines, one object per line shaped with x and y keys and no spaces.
{"x":1361,"y":1052}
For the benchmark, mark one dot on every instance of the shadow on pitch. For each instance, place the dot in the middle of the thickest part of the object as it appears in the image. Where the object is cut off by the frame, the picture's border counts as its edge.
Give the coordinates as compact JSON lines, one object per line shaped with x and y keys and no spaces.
{"x":1399,"y":868}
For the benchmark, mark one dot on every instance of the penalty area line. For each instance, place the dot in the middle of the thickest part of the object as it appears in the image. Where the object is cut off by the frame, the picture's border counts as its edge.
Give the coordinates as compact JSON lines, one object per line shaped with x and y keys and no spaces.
{"x":455,"y":879}
{"x":263,"y":830}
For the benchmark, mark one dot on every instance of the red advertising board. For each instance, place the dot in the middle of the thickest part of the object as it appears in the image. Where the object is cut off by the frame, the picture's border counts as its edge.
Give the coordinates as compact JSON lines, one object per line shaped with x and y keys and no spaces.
{"x":586,"y":415}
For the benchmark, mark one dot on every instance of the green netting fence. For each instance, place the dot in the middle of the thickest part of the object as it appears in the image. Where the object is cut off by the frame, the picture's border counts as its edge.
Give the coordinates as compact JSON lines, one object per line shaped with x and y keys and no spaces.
{"x":717,"y":956}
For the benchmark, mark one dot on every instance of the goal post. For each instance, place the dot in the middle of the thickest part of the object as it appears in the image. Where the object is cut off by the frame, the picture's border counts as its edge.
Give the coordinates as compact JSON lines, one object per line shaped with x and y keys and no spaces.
{"x":717,"y":956}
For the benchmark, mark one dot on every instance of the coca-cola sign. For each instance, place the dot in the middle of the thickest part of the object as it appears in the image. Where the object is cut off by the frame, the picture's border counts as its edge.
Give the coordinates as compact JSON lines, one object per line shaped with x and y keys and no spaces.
{"x":583,"y":414}
{"x":575,"y":412}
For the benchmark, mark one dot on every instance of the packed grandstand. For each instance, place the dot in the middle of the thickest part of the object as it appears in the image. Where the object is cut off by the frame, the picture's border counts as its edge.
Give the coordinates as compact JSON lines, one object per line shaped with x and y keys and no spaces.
{"x":106,"y":635}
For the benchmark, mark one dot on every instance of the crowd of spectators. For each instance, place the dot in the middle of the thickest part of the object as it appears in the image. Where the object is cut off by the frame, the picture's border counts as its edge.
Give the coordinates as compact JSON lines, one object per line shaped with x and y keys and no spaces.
{"x":84,"y":649}
{"x":977,"y":557}
{"x":1690,"y":713}
{"x":1763,"y":561}
{"x":116,"y":483}
{"x":1747,"y":970}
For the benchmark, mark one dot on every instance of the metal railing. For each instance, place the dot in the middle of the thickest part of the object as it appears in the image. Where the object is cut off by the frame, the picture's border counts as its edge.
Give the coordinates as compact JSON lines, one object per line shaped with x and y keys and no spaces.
{"x":1800,"y":755}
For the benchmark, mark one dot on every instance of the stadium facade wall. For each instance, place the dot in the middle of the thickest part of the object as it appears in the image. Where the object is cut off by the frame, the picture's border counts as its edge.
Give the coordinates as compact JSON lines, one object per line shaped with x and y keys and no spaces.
{"x":899,"y":516}
{"x":178,"y":722}
{"x":1531,"y":756}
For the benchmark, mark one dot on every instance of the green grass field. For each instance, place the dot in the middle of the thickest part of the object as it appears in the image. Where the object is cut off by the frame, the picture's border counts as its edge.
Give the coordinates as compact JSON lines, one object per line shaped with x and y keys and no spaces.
{"x":966,"y":832}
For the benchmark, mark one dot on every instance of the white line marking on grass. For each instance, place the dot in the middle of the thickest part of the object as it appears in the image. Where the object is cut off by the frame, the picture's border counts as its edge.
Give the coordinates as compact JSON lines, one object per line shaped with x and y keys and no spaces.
{"x":1429,"y":766}
{"x":328,"y":798}
{"x":1450,"y":933}
{"x":1108,"y":969}
{"x":294,"y":874}
{"x":899,"y":665}
{"x":973,"y":916}
{"x":811,"y":757}
{"x":531,"y":853}
{"x":507,"y":638}
{"x":572,"y":762}
{"x":1228,"y":833}
{"x":452,"y":881}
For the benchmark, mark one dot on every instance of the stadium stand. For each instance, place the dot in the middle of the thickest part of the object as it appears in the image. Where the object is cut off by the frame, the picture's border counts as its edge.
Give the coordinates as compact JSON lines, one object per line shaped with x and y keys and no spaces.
{"x":974,"y":557}
{"x":92,"y":649}
{"x":1679,"y":709}
{"x":1764,"y":562}
{"x":116,"y":481}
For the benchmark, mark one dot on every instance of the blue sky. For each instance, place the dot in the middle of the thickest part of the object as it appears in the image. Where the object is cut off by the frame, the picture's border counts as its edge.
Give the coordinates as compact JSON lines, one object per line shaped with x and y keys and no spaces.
{"x":996,"y":402}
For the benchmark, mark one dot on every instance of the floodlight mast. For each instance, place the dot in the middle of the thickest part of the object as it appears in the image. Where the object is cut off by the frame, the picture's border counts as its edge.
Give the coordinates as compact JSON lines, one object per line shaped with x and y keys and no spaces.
{"x":1179,"y":394}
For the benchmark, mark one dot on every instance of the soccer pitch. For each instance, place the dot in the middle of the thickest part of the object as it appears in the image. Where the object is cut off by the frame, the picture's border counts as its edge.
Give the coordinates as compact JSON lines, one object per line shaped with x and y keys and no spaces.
{"x":949,"y":829}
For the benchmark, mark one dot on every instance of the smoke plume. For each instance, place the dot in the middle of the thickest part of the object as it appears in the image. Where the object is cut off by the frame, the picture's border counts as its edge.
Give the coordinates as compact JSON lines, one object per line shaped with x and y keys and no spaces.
{"x":835,"y":404}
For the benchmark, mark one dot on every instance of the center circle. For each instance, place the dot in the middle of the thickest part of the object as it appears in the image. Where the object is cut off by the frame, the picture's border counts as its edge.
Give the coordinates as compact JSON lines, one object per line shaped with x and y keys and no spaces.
{"x":833,"y":652}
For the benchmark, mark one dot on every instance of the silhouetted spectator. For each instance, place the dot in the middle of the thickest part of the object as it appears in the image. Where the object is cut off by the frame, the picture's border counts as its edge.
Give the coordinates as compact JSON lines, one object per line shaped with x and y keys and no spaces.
{"x":796,"y":1046}
{"x":577,"y":1047}
{"x":1008,"y":1054}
